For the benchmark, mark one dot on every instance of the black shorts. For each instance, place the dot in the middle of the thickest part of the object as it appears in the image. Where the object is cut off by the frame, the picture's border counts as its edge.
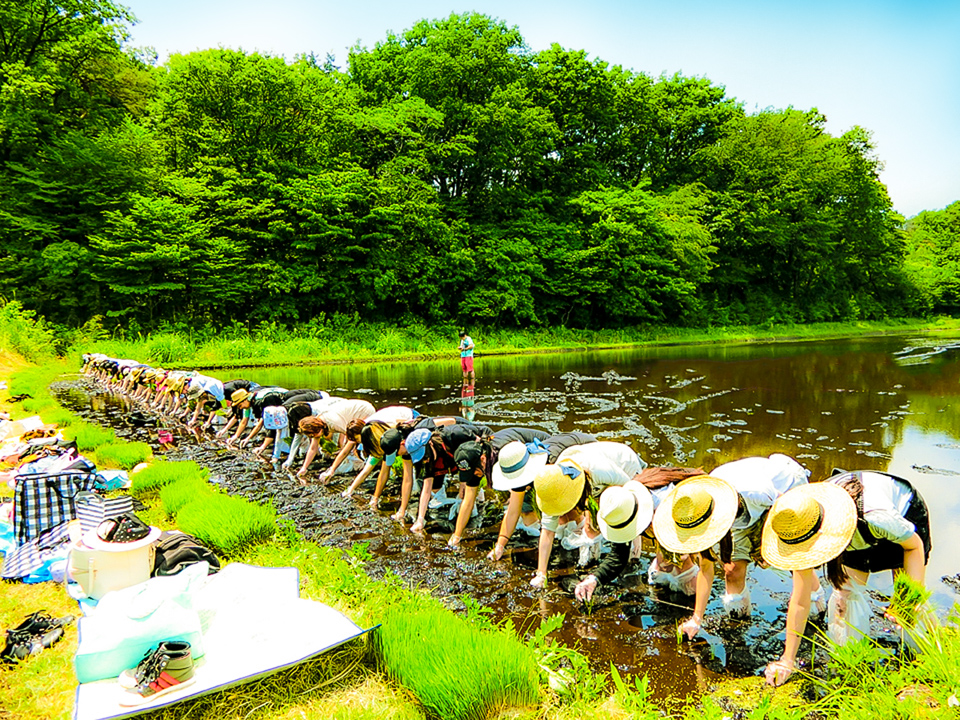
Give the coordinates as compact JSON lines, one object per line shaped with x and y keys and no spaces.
{"x":887,"y":555}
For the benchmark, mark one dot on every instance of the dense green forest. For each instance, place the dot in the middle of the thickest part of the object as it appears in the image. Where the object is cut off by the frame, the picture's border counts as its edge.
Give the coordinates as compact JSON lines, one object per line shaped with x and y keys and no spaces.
{"x":449,"y":174}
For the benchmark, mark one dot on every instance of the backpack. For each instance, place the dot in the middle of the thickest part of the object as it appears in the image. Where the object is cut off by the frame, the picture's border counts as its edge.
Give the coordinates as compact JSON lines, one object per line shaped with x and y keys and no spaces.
{"x":175,"y":551}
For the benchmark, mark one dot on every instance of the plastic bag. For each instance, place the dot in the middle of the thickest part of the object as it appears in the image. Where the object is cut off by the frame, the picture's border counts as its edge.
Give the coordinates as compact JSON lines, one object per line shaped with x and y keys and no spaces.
{"x":126,"y":623}
{"x":680,"y":582}
{"x":737,"y":604}
{"x":848,"y":613}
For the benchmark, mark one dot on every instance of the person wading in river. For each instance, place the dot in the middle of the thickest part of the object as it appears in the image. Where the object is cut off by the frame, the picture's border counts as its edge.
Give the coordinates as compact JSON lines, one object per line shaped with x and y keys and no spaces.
{"x":719,"y":517}
{"x":475,"y":462}
{"x":624,"y":516}
{"x":857,"y":523}
{"x":516,"y":467}
{"x":571,"y":488}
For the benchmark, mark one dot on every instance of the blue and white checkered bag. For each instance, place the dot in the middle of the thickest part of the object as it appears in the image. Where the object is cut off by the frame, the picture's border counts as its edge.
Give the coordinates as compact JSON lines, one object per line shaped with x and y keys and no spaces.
{"x":41,"y":502}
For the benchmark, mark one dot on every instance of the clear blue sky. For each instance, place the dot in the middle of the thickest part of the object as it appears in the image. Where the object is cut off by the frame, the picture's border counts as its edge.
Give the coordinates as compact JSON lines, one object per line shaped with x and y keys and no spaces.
{"x":890,"y":66}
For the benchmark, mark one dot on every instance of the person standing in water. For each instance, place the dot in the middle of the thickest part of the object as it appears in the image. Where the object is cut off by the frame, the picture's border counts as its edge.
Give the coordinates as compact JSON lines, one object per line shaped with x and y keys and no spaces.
{"x":466,"y":356}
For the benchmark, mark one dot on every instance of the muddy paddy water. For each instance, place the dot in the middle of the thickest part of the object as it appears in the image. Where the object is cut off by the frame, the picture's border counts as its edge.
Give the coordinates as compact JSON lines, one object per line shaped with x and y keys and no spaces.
{"x":886,"y":404}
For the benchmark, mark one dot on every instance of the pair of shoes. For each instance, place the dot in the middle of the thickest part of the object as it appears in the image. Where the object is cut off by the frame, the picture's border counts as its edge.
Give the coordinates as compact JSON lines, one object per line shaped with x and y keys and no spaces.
{"x":163,"y":670}
{"x":37,"y":632}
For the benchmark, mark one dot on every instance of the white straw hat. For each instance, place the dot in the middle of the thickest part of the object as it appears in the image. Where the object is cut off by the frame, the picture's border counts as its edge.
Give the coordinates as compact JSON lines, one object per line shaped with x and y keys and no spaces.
{"x":625,"y":511}
{"x":516,"y":466}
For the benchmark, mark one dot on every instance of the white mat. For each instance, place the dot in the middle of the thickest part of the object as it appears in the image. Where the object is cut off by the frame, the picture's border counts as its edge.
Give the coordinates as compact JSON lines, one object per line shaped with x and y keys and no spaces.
{"x":254,"y":624}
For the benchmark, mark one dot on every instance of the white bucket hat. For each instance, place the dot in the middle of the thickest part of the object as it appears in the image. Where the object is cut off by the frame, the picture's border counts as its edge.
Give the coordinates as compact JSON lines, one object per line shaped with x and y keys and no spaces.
{"x":625,"y":511}
{"x":517,"y":466}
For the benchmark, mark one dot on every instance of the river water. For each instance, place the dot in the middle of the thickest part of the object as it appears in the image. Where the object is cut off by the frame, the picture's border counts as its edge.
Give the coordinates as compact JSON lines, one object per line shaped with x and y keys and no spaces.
{"x":887,"y":403}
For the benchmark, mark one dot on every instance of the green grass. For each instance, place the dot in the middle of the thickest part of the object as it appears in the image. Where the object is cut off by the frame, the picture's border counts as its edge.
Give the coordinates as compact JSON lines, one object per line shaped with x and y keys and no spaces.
{"x":89,"y":437}
{"x":418,"y":647}
{"x":227,"y":523}
{"x":122,"y":455}
{"x":364,"y":342}
{"x":161,"y":473}
{"x":182,"y":492}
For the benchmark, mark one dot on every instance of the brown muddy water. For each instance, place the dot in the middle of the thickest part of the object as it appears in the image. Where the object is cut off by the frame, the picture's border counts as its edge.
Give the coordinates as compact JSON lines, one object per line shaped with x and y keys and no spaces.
{"x":886,"y":404}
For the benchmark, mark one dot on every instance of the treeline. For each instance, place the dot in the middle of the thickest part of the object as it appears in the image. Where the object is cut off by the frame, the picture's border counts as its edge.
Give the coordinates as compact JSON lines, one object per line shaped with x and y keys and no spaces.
{"x":449,"y":174}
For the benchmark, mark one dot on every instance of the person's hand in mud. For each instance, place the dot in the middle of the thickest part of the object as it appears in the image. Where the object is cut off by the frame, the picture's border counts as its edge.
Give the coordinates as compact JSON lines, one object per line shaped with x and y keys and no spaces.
{"x":324,"y":476}
{"x":691,"y":627}
{"x":244,"y":443}
{"x":496,"y":553}
{"x":778,"y":672}
{"x":453,"y":542}
{"x":585,"y":588}
{"x":539,"y":580}
{"x":417,"y":527}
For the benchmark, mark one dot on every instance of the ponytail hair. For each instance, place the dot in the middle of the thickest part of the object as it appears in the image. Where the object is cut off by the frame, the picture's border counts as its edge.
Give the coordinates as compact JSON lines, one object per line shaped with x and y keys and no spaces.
{"x":353,"y":430}
{"x":853,"y":484}
{"x":654,"y":478}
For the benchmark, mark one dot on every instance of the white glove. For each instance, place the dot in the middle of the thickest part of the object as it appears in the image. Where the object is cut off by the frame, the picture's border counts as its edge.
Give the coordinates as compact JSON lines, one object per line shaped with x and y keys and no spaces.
{"x":778,"y":672}
{"x":539,"y":580}
{"x":691,"y":627}
{"x":585,"y":588}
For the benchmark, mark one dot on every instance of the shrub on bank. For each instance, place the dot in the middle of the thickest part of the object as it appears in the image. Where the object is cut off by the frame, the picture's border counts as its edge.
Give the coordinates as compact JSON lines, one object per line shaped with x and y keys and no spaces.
{"x":227,"y":523}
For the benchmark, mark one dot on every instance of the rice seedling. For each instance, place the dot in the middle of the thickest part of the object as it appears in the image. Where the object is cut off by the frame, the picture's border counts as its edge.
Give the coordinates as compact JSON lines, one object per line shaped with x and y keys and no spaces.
{"x":185,"y":490}
{"x":125,"y":455}
{"x":422,"y":647}
{"x":227,"y":523}
{"x":163,"y":473}
{"x":89,"y":436}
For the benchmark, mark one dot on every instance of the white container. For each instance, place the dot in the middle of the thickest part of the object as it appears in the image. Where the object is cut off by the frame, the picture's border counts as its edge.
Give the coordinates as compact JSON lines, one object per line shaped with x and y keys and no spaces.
{"x":100,"y":567}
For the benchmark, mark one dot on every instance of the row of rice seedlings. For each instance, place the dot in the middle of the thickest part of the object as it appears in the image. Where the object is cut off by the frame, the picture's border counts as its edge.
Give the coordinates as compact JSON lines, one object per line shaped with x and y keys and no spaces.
{"x":89,"y":437}
{"x":159,"y":474}
{"x":123,"y":455}
{"x":227,"y":523}
{"x":184,"y":491}
{"x":491,"y":669}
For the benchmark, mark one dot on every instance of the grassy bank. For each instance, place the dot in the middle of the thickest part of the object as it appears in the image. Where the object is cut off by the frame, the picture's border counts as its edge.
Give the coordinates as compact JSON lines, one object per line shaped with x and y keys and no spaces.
{"x":419,"y":669}
{"x":311,"y":344}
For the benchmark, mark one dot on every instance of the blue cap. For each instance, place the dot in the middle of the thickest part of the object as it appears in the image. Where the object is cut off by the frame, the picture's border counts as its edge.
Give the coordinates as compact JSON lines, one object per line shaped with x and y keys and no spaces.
{"x":416,"y":443}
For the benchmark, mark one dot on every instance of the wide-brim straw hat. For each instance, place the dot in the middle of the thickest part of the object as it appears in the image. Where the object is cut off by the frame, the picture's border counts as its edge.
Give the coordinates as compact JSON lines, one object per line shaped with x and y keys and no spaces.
{"x":625,"y":511}
{"x":808,"y":526}
{"x":557,"y":492}
{"x":240,"y":395}
{"x":516,"y":466}
{"x":696,"y":514}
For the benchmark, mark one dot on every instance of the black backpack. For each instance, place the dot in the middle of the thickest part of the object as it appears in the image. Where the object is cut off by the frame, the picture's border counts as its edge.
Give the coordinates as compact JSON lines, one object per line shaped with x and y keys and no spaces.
{"x":175,"y":551}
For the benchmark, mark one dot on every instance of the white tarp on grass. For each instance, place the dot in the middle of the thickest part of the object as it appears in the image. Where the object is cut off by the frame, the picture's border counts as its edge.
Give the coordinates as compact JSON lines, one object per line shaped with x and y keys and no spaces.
{"x":254,"y":623}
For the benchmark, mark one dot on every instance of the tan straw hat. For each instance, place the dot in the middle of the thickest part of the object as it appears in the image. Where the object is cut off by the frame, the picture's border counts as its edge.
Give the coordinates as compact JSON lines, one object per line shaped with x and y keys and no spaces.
{"x":559,"y":487}
{"x":808,"y":526}
{"x":625,"y":511}
{"x":516,"y":466}
{"x":239,"y":396}
{"x":696,"y":514}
